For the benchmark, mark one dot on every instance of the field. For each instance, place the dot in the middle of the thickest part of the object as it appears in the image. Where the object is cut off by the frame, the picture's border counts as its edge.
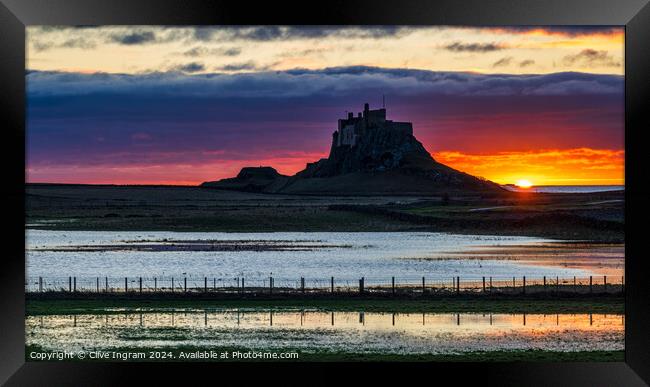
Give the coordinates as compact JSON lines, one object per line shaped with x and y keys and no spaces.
{"x":594,"y":217}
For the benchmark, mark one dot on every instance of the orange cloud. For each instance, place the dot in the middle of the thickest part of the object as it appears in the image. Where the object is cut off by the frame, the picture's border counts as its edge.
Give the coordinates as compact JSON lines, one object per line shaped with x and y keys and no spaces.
{"x":579,"y":166}
{"x":568,"y":31}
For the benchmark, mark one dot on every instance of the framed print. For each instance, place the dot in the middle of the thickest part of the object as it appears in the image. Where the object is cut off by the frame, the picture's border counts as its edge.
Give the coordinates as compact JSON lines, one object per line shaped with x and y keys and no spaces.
{"x":203,"y":188}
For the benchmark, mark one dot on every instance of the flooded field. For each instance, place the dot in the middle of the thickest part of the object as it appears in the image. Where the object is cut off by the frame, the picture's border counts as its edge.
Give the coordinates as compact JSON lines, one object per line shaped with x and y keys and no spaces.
{"x":304,"y":330}
{"x":316,"y":256}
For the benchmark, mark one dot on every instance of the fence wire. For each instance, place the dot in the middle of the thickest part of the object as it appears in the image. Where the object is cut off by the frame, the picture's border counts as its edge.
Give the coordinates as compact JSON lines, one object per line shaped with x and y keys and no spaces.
{"x":403,"y":284}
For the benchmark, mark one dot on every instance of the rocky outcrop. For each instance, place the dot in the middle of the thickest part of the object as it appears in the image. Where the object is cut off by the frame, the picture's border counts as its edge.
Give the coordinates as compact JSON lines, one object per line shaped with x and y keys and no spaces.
{"x":250,"y":179}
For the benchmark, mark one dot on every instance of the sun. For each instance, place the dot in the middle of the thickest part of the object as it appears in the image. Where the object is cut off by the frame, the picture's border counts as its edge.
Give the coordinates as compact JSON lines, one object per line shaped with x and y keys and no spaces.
{"x":523,"y":183}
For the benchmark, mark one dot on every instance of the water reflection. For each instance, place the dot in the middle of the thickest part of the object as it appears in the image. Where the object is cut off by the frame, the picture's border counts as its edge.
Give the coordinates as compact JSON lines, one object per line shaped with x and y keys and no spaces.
{"x":477,"y":322}
{"x":336,"y":331}
{"x":377,"y":256}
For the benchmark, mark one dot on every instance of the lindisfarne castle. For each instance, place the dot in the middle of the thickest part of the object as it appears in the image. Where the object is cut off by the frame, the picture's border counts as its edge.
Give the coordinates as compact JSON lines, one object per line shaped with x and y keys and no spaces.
{"x":369,"y":155}
{"x":351,"y":128}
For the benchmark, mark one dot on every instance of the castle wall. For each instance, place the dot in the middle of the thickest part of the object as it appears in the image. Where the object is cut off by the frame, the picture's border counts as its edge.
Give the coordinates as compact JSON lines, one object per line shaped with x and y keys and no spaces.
{"x":350,"y":129}
{"x":348,"y":135}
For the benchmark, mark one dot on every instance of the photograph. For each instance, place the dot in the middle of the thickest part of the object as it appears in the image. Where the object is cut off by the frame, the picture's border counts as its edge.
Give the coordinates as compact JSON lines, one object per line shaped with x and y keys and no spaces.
{"x":325,"y":193}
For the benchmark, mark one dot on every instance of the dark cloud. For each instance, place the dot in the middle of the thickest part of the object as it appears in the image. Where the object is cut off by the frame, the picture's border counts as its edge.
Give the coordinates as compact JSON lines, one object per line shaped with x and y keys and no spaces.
{"x":593,"y":58}
{"x":335,"y":81}
{"x":503,"y":62}
{"x":272,"y":33}
{"x":42,"y":46}
{"x":196,"y":51}
{"x":527,"y":62}
{"x":250,"y":65}
{"x":301,"y":53}
{"x":175,"y":118}
{"x":189,"y":67}
{"x":203,"y":51}
{"x":232,"y":51}
{"x":79,"y":43}
{"x":134,"y":38}
{"x":82,"y":43}
{"x":474,"y":47}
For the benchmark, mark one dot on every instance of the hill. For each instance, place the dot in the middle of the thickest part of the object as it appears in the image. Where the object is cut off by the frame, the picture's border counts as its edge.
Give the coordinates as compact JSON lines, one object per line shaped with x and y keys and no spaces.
{"x":369,"y":155}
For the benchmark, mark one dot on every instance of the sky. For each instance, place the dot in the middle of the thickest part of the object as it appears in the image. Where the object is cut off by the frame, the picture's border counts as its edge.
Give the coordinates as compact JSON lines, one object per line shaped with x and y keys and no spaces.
{"x":183,"y":105}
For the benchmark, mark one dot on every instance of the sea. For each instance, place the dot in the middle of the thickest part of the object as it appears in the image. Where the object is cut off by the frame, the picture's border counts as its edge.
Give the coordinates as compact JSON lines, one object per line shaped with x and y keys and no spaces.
{"x":567,"y":188}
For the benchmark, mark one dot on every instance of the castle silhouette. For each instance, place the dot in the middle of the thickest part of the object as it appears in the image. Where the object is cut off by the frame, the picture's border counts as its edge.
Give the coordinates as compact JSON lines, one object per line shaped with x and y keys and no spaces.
{"x":351,"y":129}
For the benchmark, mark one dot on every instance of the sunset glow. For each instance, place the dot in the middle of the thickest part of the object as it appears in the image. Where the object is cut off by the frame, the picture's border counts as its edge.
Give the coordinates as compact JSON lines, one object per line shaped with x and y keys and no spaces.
{"x":580,"y":166}
{"x":152,"y":105}
{"x":523,"y":183}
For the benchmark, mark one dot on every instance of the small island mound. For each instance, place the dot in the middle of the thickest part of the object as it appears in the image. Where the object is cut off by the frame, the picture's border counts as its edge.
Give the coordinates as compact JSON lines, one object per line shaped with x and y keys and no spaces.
{"x":369,"y":155}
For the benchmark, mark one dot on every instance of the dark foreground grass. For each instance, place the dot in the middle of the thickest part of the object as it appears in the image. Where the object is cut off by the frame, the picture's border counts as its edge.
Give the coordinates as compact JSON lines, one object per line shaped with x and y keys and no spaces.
{"x":606,"y":304}
{"x":185,"y":209}
{"x":198,"y":354}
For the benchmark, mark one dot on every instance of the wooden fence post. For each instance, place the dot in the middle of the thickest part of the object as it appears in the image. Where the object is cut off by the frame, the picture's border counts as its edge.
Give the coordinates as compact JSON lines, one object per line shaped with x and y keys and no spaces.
{"x":242,"y":284}
{"x":97,"y":284}
{"x":332,"y":284}
{"x":544,"y":283}
{"x":514,"y":285}
{"x":40,"y":284}
{"x":75,"y":284}
{"x":205,"y":284}
{"x":557,"y":284}
{"x":457,"y":284}
{"x":302,"y":284}
{"x":185,"y":284}
{"x":155,"y":284}
{"x":590,"y":284}
{"x":490,"y":284}
{"x":483,"y":284}
{"x":605,"y":283}
{"x":393,"y":284}
{"x":423,"y":286}
{"x":172,"y":284}
{"x":270,"y":285}
{"x":126,"y":285}
{"x":140,"y":284}
{"x":575,"y":288}
{"x":106,"y":283}
{"x":523,"y":289}
{"x":622,"y":284}
{"x":361,"y":285}
{"x":70,"y":284}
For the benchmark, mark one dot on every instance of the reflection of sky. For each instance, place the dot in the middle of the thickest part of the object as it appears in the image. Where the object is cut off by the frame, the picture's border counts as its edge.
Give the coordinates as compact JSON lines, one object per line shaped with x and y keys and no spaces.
{"x":400,"y":332}
{"x":376,"y":256}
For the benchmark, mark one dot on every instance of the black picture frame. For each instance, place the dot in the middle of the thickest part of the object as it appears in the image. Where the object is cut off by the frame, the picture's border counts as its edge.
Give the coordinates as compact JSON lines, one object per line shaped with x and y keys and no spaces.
{"x":633,"y":14}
